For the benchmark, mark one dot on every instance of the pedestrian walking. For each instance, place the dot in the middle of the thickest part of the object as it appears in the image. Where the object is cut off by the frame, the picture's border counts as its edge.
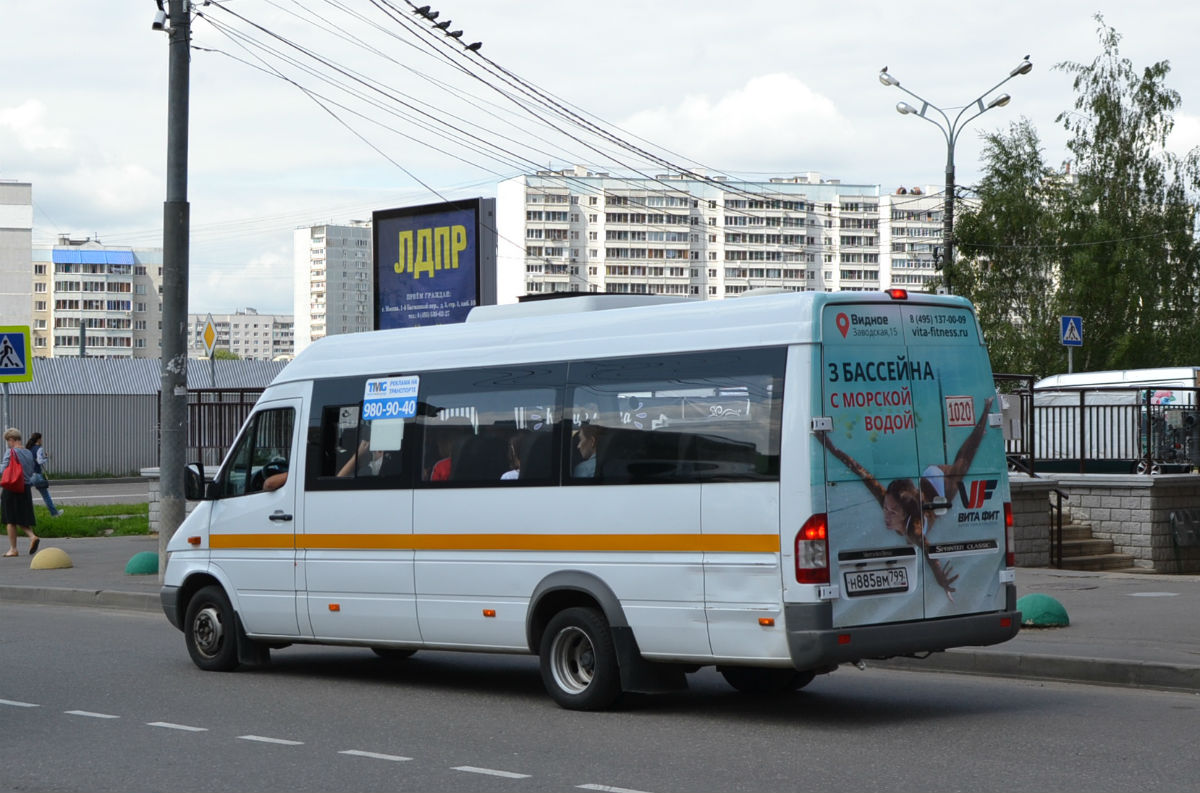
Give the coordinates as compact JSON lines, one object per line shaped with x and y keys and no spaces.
{"x":16,"y":509}
{"x":40,"y":461}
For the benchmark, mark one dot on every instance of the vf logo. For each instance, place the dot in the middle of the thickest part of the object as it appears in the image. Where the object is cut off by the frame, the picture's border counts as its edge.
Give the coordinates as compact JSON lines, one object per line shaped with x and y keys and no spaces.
{"x":981,"y":490}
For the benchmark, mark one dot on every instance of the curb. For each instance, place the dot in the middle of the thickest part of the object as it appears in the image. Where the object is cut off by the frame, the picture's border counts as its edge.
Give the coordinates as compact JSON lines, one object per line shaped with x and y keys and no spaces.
{"x":62,"y":596}
{"x":1067,"y":669}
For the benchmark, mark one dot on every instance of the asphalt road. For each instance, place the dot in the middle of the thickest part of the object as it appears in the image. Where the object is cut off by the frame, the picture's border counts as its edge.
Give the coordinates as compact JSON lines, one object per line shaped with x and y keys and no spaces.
{"x":99,"y":700}
{"x":68,"y":492}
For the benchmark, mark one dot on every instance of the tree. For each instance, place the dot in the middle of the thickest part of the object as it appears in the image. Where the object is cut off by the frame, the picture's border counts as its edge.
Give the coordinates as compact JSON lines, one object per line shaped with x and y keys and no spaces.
{"x":222,"y":354}
{"x":1131,"y":264}
{"x":1113,"y":241}
{"x":1008,"y":243}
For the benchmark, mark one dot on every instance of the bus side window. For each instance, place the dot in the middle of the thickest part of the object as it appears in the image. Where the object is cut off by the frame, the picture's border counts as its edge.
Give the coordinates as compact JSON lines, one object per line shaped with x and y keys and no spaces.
{"x":346,"y":451}
{"x":491,"y":427}
{"x":677,"y":418}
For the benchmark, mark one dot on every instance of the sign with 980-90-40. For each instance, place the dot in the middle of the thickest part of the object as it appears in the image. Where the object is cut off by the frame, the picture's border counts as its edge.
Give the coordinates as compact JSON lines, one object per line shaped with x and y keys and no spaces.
{"x":390,"y":398}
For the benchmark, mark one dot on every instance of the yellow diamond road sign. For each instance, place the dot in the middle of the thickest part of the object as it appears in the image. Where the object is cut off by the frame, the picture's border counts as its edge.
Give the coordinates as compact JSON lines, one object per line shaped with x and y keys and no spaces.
{"x":210,"y":336}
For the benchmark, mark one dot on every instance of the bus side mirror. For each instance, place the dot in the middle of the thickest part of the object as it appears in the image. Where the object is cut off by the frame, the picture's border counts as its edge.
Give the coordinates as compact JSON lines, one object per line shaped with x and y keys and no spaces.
{"x":194,"y":486}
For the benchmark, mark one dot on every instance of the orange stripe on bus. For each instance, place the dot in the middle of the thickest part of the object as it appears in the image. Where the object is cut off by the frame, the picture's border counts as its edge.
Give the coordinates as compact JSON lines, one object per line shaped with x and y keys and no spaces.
{"x":667,"y":543}
{"x":251,"y":541}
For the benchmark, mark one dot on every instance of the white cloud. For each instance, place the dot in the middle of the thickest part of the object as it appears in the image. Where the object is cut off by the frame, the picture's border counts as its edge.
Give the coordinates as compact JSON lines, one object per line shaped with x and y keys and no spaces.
{"x":26,"y":124}
{"x":774,"y":122}
{"x":1185,"y":136}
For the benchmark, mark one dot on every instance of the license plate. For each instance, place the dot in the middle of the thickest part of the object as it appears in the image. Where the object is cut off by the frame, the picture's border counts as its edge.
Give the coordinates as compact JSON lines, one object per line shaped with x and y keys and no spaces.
{"x":876,"y":582}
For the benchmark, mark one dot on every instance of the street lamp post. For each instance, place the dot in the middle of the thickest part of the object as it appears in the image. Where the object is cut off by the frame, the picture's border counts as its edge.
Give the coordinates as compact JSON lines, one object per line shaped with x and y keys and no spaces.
{"x":951,"y":130}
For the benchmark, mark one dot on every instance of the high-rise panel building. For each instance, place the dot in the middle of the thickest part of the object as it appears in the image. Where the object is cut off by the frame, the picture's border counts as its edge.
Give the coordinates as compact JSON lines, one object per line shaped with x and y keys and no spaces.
{"x":16,"y":243}
{"x":112,"y":293}
{"x":578,"y":231}
{"x":247,"y":334}
{"x":332,"y":281}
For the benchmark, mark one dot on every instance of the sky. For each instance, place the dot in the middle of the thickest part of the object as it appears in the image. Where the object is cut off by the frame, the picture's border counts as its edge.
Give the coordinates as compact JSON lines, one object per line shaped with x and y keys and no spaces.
{"x":753,"y":89}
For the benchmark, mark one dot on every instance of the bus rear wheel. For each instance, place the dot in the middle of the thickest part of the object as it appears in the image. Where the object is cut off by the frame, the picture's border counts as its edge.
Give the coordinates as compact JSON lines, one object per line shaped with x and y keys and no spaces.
{"x":210,"y":631}
{"x":579,"y":661}
{"x":761,"y":680}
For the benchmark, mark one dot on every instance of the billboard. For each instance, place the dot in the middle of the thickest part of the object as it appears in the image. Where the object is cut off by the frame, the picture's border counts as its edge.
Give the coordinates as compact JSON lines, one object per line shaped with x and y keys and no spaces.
{"x":433,"y":263}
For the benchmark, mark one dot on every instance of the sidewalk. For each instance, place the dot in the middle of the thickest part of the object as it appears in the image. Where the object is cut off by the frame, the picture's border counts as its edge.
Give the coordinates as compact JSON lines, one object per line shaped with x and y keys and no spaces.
{"x":1126,"y":629}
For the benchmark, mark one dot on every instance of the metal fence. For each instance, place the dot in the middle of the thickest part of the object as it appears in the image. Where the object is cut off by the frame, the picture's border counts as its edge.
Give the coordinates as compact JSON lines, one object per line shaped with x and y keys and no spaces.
{"x":1016,"y":393}
{"x":1116,"y":430}
{"x":91,"y":433}
{"x":214,"y":417}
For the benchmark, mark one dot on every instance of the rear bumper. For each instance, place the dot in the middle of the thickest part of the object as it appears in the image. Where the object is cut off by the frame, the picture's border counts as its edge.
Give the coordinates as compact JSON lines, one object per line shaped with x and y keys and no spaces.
{"x":814,"y":643}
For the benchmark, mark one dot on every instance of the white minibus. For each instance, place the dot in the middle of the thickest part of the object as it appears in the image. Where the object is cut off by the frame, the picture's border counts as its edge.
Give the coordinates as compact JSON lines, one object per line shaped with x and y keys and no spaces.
{"x":629,"y":487}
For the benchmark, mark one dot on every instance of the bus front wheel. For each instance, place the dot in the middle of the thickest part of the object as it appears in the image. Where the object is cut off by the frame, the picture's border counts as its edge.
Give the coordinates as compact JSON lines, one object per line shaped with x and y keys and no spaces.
{"x":210,"y":631}
{"x":579,"y":661}
{"x":759,"y":680}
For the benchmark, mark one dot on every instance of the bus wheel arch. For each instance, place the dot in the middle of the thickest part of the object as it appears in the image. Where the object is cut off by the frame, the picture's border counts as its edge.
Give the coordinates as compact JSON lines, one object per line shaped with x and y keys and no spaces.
{"x":576,"y":589}
{"x":568,"y":589}
{"x":578,"y":660}
{"x":210,"y":630}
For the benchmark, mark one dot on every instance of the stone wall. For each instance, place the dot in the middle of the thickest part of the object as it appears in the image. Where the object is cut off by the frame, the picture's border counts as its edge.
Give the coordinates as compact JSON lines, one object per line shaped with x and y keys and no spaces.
{"x":1031,"y":520}
{"x":151,"y":475}
{"x":1134,"y":511}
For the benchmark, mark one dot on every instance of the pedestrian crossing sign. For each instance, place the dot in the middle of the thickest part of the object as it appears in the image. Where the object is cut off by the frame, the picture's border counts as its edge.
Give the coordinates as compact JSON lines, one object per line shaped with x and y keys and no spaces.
{"x":14,"y":354}
{"x":1071,"y":331}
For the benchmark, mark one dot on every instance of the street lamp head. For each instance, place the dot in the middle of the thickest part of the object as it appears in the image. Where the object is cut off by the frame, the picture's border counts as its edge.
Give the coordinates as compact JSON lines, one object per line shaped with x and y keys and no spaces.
{"x":904,"y":108}
{"x":887,"y":79}
{"x":1024,"y":67}
{"x":999,"y":101}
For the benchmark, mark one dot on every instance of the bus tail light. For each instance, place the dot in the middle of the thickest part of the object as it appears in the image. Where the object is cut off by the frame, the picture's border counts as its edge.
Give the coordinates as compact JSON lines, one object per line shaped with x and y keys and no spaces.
{"x":1010,"y":549}
{"x":812,"y":551}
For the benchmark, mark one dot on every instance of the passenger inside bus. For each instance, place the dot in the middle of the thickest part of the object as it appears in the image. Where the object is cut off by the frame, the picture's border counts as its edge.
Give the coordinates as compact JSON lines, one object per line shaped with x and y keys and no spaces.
{"x":586,"y":441}
{"x":516,"y":447}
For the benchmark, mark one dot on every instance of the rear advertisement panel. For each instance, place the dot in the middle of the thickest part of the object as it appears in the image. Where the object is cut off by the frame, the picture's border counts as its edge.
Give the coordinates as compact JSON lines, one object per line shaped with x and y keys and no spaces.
{"x":915,"y":469}
{"x":433,"y":263}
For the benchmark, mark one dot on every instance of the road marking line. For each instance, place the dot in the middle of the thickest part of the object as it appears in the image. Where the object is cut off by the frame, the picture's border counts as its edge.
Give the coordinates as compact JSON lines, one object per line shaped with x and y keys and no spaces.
{"x":16,"y":704}
{"x":171,"y":726}
{"x":1153,"y":594}
{"x":262,"y":739}
{"x":375,"y":755}
{"x":609,"y":789}
{"x":470,"y":769}
{"x":89,"y":714}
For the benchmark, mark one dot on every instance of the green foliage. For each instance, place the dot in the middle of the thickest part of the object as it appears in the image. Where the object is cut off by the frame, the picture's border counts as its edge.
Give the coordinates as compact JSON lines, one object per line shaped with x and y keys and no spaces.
{"x":222,"y":354}
{"x":1113,"y":242}
{"x":1009,"y":242}
{"x":94,"y":521}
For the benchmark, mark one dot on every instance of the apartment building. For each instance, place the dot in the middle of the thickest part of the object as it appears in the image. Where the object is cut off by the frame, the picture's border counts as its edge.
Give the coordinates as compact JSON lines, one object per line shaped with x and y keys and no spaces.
{"x":247,"y":334}
{"x":16,"y":242}
{"x":911,"y":230}
{"x":111,"y":295}
{"x":578,"y":231}
{"x":332,"y":281}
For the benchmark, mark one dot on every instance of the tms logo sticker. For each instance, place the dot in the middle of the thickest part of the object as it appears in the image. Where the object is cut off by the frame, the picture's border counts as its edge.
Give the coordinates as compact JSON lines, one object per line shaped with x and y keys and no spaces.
{"x":981,"y":490}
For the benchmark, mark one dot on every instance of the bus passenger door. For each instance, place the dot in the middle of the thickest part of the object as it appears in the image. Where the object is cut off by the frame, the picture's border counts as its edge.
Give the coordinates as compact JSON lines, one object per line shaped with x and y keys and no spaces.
{"x":357,"y":555}
{"x":251,"y":532}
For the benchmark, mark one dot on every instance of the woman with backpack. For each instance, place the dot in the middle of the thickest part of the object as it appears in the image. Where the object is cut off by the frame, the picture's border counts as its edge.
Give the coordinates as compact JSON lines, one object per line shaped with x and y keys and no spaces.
{"x":40,"y":481}
{"x":16,"y":508}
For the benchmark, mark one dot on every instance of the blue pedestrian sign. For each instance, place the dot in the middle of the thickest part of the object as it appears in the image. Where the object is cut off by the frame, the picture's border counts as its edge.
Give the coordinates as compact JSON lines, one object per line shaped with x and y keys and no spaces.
{"x":1071,"y":332}
{"x":15,"y":366}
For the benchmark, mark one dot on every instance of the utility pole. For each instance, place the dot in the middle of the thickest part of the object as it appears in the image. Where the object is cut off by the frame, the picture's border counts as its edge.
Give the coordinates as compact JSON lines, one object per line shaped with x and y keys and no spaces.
{"x":176,"y":220}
